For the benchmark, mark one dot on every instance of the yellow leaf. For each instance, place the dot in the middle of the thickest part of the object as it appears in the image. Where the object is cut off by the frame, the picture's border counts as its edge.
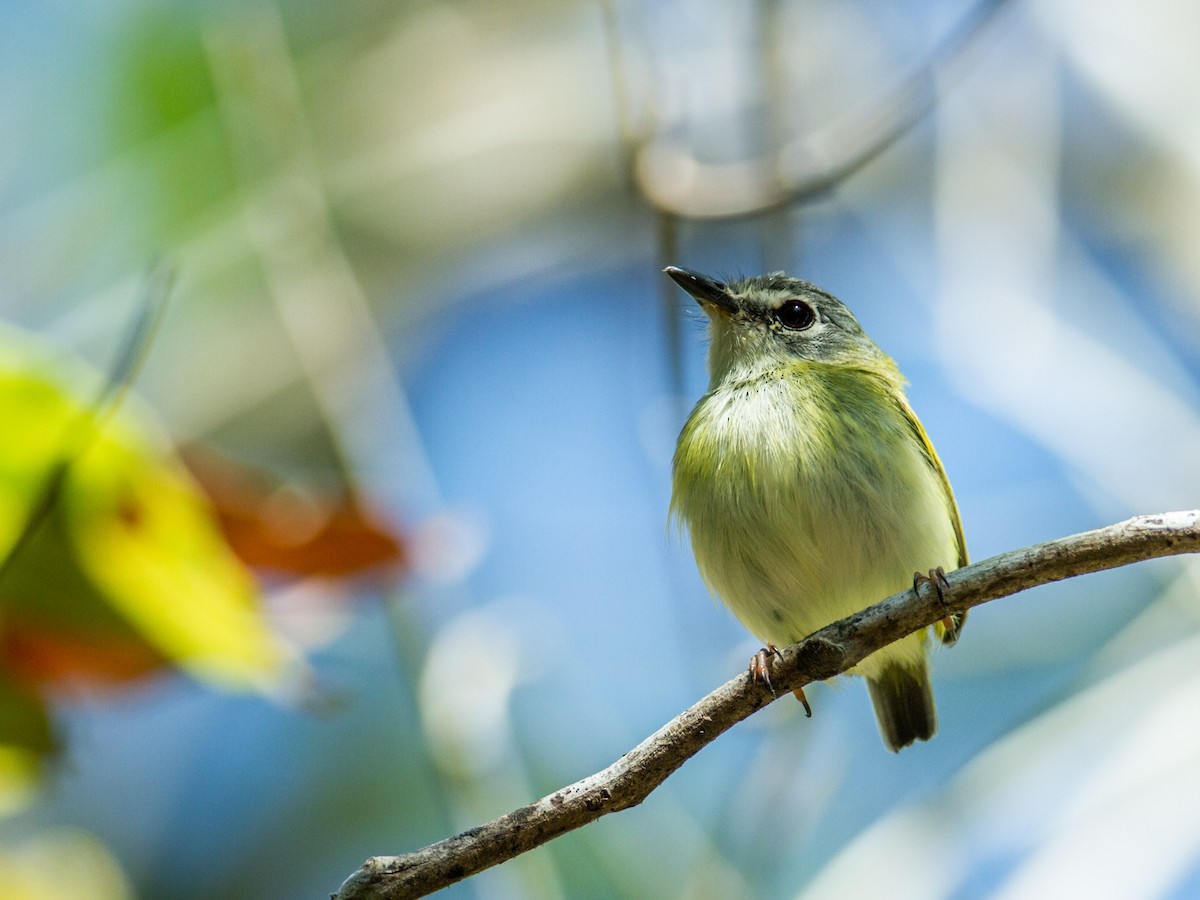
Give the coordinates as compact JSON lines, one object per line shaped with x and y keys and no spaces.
{"x":146,"y":537}
{"x":130,"y":549}
{"x":39,"y":416}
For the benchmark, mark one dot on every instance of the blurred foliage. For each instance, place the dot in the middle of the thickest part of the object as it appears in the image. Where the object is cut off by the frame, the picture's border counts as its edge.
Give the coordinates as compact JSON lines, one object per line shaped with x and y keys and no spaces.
{"x":113,"y":564}
{"x":280,"y":528}
{"x":61,"y":863}
{"x":163,"y":86}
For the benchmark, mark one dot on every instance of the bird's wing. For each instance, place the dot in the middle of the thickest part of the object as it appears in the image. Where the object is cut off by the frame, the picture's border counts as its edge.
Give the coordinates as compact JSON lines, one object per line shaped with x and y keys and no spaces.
{"x":947,"y":630}
{"x":935,"y":463}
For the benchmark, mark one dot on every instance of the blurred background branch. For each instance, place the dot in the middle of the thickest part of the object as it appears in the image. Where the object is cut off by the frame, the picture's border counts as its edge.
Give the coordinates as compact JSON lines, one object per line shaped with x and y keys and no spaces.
{"x":678,"y":181}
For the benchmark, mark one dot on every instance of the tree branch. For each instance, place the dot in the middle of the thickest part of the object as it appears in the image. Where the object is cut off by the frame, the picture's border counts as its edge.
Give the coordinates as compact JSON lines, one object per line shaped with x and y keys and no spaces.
{"x":828,"y":652}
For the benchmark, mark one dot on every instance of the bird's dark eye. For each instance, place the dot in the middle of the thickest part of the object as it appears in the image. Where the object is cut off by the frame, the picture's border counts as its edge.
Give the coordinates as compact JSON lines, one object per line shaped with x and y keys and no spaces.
{"x":795,"y":315}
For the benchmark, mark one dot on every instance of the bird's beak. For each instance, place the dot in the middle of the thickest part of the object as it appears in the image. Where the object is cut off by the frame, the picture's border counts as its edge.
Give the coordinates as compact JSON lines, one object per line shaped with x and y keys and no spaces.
{"x":705,"y":290}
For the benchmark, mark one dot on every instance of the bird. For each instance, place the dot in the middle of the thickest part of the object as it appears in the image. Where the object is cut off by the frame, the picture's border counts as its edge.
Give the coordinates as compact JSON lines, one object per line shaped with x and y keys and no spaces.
{"x":808,"y":486}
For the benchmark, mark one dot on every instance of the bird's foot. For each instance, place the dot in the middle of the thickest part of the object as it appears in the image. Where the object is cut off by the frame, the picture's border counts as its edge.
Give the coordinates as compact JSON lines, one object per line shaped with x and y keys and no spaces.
{"x":952,"y":624}
{"x":760,"y":670}
{"x":760,"y":665}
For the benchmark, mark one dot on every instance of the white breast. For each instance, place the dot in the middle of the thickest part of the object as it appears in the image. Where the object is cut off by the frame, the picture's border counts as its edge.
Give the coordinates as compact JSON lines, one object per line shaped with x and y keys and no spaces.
{"x":808,"y":514}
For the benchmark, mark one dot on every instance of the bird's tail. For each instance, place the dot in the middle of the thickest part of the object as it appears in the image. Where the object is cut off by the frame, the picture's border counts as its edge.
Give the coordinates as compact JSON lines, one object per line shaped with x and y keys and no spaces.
{"x":903,"y":703}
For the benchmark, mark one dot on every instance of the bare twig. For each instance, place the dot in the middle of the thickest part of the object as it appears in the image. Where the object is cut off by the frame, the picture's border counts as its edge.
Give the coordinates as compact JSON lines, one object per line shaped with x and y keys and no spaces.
{"x":830,"y":651}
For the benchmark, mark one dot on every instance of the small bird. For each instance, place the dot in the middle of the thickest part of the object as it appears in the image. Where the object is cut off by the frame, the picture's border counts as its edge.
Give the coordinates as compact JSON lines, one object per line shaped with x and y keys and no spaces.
{"x":808,"y":485}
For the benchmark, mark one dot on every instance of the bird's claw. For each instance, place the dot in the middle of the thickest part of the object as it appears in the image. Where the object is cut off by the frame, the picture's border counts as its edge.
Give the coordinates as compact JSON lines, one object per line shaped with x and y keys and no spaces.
{"x":760,"y":670}
{"x":760,"y":665}
{"x":951,"y":624}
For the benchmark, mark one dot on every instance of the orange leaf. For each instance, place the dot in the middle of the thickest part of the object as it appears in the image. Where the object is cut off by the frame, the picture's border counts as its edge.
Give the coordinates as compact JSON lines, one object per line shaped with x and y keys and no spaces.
{"x":278,"y":527}
{"x":57,"y":657}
